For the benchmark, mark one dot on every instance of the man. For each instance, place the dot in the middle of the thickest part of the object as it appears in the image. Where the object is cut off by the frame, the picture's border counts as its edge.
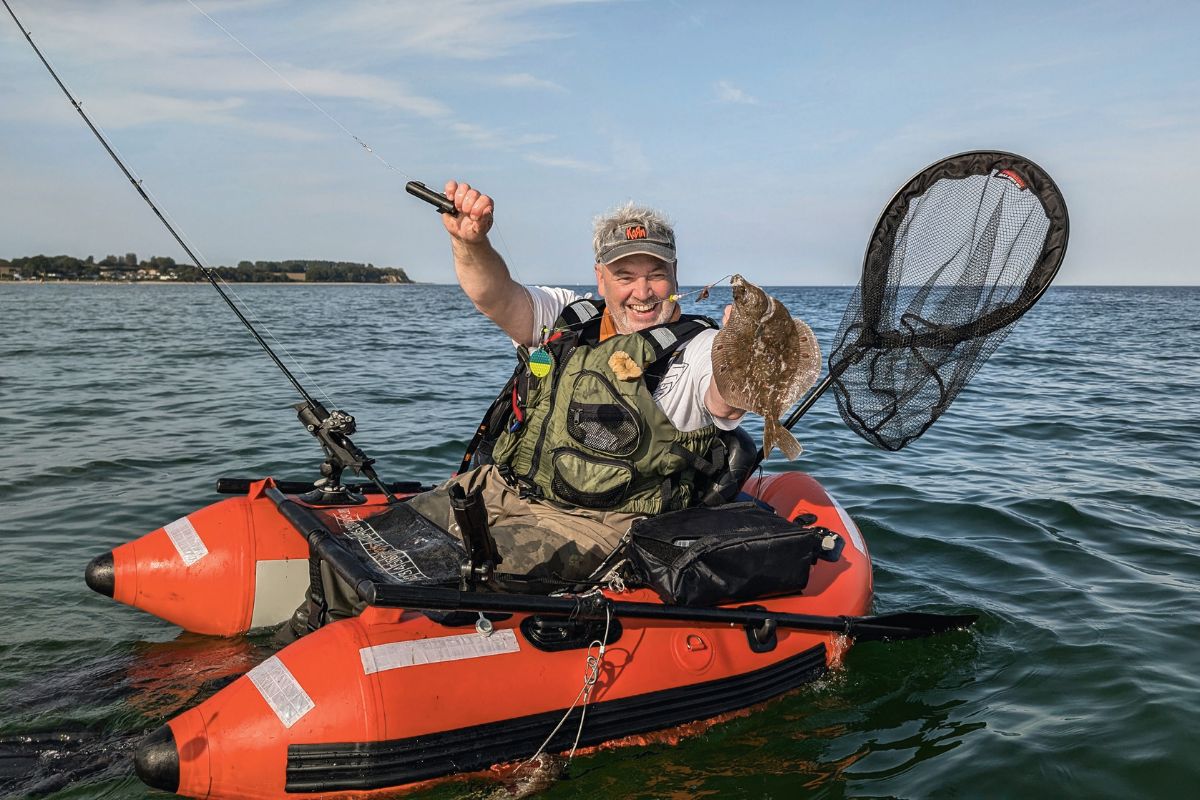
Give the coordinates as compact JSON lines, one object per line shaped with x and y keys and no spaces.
{"x":576,"y":466}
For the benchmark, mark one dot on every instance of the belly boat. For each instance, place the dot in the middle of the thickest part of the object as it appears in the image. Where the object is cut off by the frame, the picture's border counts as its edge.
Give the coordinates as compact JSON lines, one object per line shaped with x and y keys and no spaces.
{"x":392,"y":698}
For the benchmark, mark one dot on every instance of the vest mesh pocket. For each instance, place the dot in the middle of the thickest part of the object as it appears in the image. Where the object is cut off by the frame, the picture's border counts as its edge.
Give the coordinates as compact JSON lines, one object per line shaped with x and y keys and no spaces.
{"x":607,"y":482}
{"x":607,"y":427}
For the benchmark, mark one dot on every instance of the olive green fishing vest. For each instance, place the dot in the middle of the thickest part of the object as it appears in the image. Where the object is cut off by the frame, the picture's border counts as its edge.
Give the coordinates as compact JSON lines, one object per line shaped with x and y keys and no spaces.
{"x":582,"y":434}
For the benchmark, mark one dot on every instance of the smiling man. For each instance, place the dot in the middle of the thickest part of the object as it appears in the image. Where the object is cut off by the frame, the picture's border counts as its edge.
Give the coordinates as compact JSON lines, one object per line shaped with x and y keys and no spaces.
{"x":612,"y":411}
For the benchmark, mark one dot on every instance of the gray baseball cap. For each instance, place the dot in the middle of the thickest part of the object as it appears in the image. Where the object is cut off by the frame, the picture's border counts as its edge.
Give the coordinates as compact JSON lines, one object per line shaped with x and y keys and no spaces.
{"x":636,"y":237}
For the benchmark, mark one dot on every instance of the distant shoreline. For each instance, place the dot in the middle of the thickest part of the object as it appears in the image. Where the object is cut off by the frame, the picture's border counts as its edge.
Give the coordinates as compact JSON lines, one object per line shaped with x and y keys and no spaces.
{"x":538,"y":283}
{"x":205,"y":283}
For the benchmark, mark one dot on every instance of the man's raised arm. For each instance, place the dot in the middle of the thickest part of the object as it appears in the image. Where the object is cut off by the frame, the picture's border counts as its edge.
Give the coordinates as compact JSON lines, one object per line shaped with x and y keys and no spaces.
{"x":481,"y":272}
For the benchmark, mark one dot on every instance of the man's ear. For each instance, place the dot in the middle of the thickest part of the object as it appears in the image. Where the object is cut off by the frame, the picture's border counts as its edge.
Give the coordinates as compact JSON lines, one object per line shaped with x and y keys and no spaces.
{"x":599,"y":280}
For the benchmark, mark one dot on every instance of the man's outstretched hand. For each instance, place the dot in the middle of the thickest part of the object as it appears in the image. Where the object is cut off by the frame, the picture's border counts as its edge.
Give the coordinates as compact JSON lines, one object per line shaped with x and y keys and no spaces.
{"x":474,"y":218}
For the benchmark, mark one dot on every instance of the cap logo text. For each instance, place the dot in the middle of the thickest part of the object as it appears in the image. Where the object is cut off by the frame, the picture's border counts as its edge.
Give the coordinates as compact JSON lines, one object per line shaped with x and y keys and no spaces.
{"x":635,"y":232}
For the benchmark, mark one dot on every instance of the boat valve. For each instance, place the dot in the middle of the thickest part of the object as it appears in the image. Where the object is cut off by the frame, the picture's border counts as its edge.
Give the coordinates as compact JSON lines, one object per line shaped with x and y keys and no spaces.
{"x":831,"y":547}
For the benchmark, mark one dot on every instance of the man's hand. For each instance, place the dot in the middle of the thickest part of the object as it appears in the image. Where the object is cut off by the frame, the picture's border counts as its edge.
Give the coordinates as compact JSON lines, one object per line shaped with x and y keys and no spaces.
{"x":474,"y":218}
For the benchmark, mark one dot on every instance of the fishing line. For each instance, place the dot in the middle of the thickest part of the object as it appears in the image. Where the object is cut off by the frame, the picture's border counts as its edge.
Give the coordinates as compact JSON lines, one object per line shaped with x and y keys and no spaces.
{"x":505,"y":249}
{"x":296,"y":89}
{"x":702,"y":291}
{"x":163,"y":217}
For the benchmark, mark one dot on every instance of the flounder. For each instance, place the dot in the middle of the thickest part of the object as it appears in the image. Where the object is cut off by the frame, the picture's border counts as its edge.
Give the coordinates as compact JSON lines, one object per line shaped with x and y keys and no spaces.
{"x":764,"y":360}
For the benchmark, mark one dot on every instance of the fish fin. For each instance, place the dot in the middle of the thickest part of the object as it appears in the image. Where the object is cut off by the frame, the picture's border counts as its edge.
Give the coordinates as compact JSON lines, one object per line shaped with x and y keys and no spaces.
{"x":775,"y":435}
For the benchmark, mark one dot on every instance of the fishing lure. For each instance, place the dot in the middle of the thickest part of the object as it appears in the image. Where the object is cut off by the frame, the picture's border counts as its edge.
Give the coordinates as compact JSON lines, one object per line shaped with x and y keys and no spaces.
{"x":702,"y":291}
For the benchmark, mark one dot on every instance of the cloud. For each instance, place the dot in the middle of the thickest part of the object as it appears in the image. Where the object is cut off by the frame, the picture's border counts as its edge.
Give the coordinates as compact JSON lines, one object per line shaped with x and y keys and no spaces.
{"x":113,"y":31}
{"x":491,"y":139}
{"x":523,"y":80}
{"x":628,"y":154}
{"x":144,"y":62}
{"x":354,"y":86}
{"x":566,"y":162}
{"x":460,"y":29}
{"x":150,"y":62}
{"x":726,"y":92}
{"x":142,"y":108}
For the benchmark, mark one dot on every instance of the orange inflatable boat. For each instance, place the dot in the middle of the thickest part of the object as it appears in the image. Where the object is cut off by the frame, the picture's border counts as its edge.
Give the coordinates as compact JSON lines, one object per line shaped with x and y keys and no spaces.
{"x":223,"y":570}
{"x":392,"y":697}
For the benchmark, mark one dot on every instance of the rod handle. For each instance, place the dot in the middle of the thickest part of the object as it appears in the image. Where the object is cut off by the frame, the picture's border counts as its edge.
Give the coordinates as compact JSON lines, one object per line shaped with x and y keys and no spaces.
{"x":436,"y":199}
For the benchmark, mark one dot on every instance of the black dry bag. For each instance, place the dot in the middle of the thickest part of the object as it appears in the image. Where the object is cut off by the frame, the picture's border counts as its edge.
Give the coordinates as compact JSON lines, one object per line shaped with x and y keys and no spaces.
{"x":725,"y":554}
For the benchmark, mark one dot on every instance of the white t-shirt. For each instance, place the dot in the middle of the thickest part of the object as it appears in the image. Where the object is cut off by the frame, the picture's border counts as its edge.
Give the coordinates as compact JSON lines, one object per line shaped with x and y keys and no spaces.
{"x":681,"y":392}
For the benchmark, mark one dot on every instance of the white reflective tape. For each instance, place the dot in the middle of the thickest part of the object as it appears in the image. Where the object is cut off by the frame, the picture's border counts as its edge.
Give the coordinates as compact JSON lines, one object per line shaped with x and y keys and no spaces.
{"x":187,"y":542}
{"x":432,"y":651}
{"x":851,"y":529}
{"x":281,"y":690}
{"x":666,"y":340}
{"x":585,"y":311}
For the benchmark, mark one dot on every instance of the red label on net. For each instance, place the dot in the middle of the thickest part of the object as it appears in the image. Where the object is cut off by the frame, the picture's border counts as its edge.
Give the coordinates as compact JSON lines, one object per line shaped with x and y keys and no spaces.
{"x":1012,"y":176}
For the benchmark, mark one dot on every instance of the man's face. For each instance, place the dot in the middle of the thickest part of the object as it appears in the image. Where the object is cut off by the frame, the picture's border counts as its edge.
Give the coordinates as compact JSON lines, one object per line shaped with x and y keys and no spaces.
{"x":635,"y":290}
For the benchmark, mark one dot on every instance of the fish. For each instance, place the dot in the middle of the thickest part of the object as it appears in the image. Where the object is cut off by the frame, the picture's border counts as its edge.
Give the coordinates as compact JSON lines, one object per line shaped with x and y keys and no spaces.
{"x":764,"y":360}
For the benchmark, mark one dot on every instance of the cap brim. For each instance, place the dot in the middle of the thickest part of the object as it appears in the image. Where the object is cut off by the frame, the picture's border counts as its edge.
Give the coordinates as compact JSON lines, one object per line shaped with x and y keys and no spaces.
{"x":626,"y":249}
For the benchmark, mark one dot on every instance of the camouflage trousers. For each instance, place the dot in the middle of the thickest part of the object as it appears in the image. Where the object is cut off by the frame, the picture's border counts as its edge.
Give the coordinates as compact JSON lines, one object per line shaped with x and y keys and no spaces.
{"x":539,"y":539}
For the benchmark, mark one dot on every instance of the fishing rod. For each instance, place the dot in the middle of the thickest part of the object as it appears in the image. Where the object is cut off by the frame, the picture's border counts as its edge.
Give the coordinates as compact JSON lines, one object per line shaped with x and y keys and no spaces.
{"x":331,"y":428}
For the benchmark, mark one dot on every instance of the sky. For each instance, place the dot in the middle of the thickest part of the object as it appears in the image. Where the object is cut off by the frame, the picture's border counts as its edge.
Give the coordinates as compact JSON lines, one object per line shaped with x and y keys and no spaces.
{"x":772,"y":133}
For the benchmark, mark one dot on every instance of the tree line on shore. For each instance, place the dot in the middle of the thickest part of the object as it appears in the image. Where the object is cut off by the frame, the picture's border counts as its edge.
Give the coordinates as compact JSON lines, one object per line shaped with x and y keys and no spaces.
{"x":164,"y":268}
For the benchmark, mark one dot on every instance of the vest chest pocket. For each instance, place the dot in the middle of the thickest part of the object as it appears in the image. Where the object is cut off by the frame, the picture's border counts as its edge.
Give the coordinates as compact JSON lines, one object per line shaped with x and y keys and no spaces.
{"x":600,"y":419}
{"x":588,"y":481}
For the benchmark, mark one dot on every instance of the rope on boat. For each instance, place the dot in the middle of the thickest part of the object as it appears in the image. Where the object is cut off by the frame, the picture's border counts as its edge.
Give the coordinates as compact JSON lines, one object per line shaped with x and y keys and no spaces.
{"x":591,"y":674}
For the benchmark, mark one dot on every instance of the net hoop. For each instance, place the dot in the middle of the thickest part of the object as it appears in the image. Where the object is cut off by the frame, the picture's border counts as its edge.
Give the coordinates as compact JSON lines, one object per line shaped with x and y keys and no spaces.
{"x":882,"y":241}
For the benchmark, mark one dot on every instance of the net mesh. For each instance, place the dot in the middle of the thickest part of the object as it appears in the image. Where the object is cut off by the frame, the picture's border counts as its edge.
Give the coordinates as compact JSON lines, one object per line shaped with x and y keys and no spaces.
{"x":959,"y":255}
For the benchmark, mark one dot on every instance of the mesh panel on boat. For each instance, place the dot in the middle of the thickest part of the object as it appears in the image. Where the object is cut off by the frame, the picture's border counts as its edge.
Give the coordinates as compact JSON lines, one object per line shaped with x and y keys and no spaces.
{"x":396,"y":546}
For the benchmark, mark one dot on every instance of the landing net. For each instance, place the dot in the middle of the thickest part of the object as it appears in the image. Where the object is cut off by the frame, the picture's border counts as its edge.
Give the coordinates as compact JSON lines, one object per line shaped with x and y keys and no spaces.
{"x":961,"y":252}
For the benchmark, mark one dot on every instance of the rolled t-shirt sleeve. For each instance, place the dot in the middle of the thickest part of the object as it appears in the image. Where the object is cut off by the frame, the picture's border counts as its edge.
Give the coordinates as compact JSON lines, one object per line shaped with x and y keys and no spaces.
{"x":681,"y":392}
{"x":548,"y":302}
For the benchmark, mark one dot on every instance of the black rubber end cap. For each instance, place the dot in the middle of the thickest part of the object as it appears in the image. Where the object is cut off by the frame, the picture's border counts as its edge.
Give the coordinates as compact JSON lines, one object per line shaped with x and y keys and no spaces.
{"x":157,"y":760}
{"x":99,"y":574}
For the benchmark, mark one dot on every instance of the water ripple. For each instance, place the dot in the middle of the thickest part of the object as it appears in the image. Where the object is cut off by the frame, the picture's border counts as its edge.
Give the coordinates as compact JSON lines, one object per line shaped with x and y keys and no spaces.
{"x":1057,"y":499}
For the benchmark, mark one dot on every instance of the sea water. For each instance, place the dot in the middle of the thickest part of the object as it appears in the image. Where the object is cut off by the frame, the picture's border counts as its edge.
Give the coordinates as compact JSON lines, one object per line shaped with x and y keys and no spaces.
{"x":1059,"y":498}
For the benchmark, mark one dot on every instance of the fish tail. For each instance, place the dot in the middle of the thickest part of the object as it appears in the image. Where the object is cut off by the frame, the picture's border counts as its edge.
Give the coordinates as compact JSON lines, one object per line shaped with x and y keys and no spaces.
{"x":775,"y":435}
